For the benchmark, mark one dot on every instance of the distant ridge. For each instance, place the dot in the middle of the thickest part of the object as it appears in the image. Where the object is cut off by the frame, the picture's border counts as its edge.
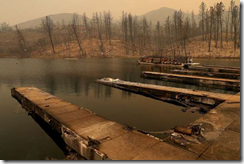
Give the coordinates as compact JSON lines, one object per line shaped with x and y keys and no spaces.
{"x":160,"y":14}
{"x":66,"y":17}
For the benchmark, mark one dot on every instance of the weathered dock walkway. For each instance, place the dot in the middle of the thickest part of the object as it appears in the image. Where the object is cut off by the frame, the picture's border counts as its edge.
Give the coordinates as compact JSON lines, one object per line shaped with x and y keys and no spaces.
{"x":95,"y":137}
{"x":219,"y":134}
{"x":230,"y":84}
{"x":178,"y":96}
{"x":207,"y":74}
{"x":214,"y":136}
{"x":161,"y":64}
{"x":219,"y":66}
{"x":216,"y":69}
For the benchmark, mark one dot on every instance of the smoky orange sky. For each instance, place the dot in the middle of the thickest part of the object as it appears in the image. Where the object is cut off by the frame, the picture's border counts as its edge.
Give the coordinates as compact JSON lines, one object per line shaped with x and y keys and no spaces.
{"x":17,"y":11}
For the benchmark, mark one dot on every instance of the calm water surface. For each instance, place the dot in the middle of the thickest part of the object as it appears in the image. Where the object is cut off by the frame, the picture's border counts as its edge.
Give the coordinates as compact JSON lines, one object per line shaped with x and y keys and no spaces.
{"x":22,"y":138}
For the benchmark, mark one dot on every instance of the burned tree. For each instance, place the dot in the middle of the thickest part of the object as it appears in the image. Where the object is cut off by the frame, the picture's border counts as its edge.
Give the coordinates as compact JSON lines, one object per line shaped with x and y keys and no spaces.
{"x":108,"y":25}
{"x":76,"y":31}
{"x":232,"y":5}
{"x":202,"y":9}
{"x":207,"y":25}
{"x":48,"y":27}
{"x":235,"y":24}
{"x":85,"y":23}
{"x":125,"y":31}
{"x":175,"y":21}
{"x":135,"y":33}
{"x":212,"y":11}
{"x":219,"y":13}
{"x":193,"y":25}
{"x":168,"y":30}
{"x":99,"y":31}
{"x":180,"y":25}
{"x":185,"y":35}
{"x":158,"y":35}
{"x":130,"y":20}
{"x":227,"y":26}
{"x":21,"y":38}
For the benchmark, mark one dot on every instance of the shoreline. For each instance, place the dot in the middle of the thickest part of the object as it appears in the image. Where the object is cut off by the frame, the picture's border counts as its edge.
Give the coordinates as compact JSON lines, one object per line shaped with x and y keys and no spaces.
{"x":85,"y":57}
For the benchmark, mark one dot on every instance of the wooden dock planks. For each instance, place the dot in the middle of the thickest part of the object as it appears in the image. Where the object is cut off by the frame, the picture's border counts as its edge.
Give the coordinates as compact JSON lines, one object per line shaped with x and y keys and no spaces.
{"x":221,"y":132}
{"x":207,"y":74}
{"x":220,"y":69}
{"x":218,"y":66}
{"x":196,"y":80}
{"x":77,"y":126}
{"x":165,"y":92}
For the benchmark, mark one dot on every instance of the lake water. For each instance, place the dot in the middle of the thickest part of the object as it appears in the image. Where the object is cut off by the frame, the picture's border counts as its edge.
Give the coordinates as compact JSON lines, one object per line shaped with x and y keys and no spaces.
{"x":22,"y":138}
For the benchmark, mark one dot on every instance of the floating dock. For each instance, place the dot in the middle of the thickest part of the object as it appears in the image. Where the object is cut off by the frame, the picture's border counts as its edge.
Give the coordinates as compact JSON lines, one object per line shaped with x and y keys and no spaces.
{"x":207,"y":74}
{"x":229,"y":84}
{"x":218,"y":137}
{"x":173,"y":95}
{"x":161,"y":64}
{"x":95,"y":137}
{"x":215,"y":69}
{"x":214,"y":136}
{"x":217,"y":66}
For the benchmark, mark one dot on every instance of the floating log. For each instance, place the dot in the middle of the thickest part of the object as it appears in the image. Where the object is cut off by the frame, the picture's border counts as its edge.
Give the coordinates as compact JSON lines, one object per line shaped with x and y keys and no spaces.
{"x":168,"y":94}
{"x":228,"y":84}
{"x":183,"y":130}
{"x":207,"y":74}
{"x":93,"y":136}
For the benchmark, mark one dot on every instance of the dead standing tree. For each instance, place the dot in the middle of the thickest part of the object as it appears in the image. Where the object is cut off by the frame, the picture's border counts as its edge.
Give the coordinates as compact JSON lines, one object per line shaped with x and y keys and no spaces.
{"x":135,"y":33}
{"x":180,"y":26}
{"x":227,"y":26}
{"x":130,"y":19}
{"x":207,"y":17}
{"x":76,"y":30}
{"x":158,"y":35}
{"x":232,"y":5}
{"x":21,"y":38}
{"x":175,"y":21}
{"x":168,"y":31}
{"x":219,"y":13}
{"x":212,"y":11}
{"x":99,"y":31}
{"x":235,"y":24}
{"x":202,"y":15}
{"x":193,"y":25}
{"x":48,"y":27}
{"x":125,"y":31}
{"x":108,"y":25}
{"x":85,"y":23}
{"x":185,"y":35}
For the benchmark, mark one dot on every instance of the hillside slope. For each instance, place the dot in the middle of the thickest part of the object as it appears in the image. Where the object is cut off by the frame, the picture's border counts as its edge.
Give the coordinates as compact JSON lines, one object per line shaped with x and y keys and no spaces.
{"x":162,"y":13}
{"x":153,"y":16}
{"x":66,"y":17}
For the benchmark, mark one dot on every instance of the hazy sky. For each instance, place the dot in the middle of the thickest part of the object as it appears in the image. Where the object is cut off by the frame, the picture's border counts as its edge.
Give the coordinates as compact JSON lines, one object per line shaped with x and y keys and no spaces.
{"x":17,"y":11}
